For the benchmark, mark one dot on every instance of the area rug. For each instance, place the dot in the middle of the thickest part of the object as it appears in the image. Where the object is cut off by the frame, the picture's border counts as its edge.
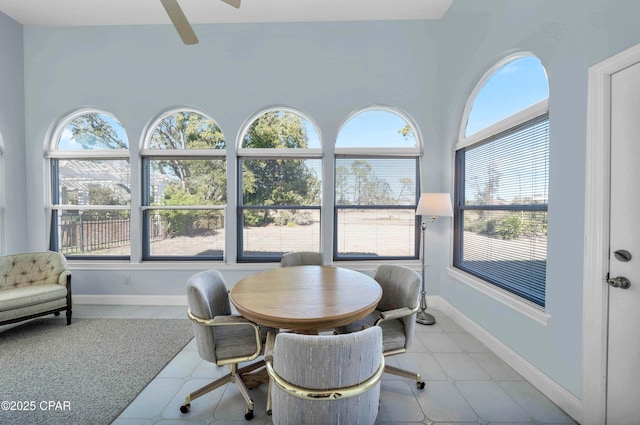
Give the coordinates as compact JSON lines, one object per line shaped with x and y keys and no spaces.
{"x":84,"y":373}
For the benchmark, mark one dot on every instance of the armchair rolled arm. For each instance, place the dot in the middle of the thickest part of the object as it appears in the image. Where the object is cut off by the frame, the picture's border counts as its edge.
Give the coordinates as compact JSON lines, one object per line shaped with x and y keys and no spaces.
{"x":397,"y":313}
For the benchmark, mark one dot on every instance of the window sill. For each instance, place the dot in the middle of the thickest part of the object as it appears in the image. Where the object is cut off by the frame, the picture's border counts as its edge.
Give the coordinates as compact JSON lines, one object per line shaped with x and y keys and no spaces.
{"x":518,"y":304}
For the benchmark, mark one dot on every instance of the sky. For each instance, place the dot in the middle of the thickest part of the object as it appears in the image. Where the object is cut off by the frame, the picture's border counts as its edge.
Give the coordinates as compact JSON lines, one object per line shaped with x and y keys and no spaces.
{"x":512,"y":88}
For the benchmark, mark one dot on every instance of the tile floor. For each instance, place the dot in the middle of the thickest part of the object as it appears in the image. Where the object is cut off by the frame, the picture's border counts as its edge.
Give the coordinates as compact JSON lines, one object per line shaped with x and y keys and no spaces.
{"x":466,"y":384}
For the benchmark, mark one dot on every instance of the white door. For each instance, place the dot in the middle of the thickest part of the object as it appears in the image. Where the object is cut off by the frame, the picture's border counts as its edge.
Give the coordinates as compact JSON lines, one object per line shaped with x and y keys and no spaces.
{"x":623,"y":370}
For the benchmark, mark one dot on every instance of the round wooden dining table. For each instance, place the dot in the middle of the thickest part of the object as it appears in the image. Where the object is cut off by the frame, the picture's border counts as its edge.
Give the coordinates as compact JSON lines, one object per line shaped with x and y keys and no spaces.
{"x":306,"y":299}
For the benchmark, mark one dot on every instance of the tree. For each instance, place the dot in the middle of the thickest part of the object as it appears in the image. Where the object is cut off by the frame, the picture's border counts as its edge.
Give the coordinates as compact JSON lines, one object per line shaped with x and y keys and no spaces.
{"x":272,"y":182}
{"x":91,"y":130}
{"x":200,"y":181}
{"x":190,"y":130}
{"x":487,"y":195}
{"x":342,"y":179}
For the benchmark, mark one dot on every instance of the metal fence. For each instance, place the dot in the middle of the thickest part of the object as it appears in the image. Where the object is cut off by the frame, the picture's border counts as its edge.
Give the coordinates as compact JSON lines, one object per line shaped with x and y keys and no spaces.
{"x":82,"y":233}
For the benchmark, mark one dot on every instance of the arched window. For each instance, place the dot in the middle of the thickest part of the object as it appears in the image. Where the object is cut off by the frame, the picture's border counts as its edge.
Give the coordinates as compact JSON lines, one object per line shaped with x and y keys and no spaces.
{"x":184,"y":188}
{"x":502,"y":172}
{"x":376,"y":187}
{"x":279,"y":189}
{"x":90,"y":187}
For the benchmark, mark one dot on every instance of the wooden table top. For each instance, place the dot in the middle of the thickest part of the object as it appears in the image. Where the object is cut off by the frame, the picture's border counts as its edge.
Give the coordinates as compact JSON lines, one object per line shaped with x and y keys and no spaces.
{"x":306,"y":298}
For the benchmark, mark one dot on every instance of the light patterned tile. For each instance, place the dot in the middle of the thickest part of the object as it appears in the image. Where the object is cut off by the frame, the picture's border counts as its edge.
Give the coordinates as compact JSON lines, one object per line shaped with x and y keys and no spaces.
{"x":153,"y":399}
{"x":201,"y":408}
{"x":448,"y":325}
{"x":440,"y":343}
{"x":398,"y":404}
{"x":536,"y":403}
{"x":461,"y":367}
{"x":468,"y":343}
{"x":442,"y":402}
{"x":182,"y":365}
{"x":422,"y":363}
{"x":491,"y":402}
{"x":232,"y":406}
{"x":495,"y":367}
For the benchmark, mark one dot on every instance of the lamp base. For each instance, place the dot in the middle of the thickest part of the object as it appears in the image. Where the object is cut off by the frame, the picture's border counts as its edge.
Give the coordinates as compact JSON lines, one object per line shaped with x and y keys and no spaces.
{"x":425,"y":318}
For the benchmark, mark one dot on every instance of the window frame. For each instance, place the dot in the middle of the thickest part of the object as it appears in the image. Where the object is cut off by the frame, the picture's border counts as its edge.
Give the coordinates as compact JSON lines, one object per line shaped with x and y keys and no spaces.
{"x":338,"y":207}
{"x":537,"y":112}
{"x":147,"y":155}
{"x":54,"y":155}
{"x":380,"y":153}
{"x":244,"y":153}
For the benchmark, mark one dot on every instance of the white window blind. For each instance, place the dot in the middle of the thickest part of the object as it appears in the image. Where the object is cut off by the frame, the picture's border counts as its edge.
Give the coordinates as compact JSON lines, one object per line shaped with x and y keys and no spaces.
{"x":501,"y":209}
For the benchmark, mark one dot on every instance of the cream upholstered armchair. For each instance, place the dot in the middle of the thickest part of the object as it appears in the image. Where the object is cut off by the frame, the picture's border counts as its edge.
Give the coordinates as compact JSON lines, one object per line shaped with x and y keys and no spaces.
{"x":34,"y":284}
{"x":395,"y":314}
{"x":302,"y":258}
{"x":222,"y":338}
{"x":325,"y":379}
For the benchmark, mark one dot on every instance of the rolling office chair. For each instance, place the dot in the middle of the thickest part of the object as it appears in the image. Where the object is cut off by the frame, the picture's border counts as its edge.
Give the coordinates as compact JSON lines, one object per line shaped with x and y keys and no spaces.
{"x":395,"y":314}
{"x":223,"y":339}
{"x":303,"y":258}
{"x":325,"y":379}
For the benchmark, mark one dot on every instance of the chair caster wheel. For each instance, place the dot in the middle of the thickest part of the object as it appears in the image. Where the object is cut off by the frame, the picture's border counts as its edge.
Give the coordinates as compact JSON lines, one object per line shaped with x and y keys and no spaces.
{"x":185,"y":408}
{"x":269,"y":412}
{"x":248,"y":415}
{"x":420,"y":385}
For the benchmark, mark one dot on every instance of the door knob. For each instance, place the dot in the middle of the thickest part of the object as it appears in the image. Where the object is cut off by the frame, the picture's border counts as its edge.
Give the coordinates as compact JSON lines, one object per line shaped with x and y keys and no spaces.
{"x":619,"y":282}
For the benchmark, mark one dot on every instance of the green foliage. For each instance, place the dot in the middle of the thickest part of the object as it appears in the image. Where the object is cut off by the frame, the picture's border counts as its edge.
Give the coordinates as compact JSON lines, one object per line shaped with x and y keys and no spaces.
{"x":406,"y":132}
{"x":195,"y":181}
{"x":92,"y":131}
{"x":510,"y":227}
{"x":275,"y":182}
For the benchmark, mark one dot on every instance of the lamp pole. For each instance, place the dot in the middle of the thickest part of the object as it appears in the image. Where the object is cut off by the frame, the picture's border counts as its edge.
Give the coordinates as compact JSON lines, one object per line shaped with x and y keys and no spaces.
{"x":434,"y":205}
{"x":423,"y":317}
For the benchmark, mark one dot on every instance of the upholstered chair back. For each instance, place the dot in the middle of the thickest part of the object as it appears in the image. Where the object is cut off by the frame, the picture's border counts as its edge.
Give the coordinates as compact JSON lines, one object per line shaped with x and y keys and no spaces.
{"x":32,"y":268}
{"x":208,"y":297}
{"x":324,"y":362}
{"x":400,"y":288}
{"x":303,"y":258}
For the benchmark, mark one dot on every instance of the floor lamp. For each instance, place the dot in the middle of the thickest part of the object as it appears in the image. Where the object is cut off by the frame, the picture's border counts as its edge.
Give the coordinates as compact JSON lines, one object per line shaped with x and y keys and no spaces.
{"x":431,"y":205}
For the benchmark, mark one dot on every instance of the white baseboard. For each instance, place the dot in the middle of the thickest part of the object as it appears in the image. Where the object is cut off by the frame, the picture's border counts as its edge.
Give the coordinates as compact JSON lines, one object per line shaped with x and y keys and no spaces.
{"x":555,"y":392}
{"x":131,"y":299}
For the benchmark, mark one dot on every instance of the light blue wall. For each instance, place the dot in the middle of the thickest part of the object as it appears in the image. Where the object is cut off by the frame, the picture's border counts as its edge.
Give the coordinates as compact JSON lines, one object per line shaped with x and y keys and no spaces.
{"x":13,"y":234}
{"x":328,"y":70}
{"x":569,"y":37}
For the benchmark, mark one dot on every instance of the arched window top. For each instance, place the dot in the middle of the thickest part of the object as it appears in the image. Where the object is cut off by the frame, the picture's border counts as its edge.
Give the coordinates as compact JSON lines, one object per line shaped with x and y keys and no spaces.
{"x":280,"y":128}
{"x":91,"y":131}
{"x":185,"y":130}
{"x":511,"y":86}
{"x":377,"y":128}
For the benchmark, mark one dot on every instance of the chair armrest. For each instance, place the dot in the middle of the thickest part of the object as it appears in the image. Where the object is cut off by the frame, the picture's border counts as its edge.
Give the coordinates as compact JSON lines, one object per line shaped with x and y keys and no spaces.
{"x":397,"y":313}
{"x":229,"y":321}
{"x":223,"y":321}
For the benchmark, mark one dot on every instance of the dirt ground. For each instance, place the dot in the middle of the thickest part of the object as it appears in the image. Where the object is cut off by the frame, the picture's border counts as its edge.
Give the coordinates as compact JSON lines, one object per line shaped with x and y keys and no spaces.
{"x":374,"y":232}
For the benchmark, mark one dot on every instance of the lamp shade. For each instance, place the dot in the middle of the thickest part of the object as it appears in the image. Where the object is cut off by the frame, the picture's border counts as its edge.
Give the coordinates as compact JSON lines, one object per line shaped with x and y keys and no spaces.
{"x":435,"y":205}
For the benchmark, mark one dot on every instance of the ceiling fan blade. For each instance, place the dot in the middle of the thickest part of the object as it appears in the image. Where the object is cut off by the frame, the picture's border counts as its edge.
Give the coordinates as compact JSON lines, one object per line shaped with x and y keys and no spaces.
{"x":179,"y":21}
{"x":234,"y":3}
